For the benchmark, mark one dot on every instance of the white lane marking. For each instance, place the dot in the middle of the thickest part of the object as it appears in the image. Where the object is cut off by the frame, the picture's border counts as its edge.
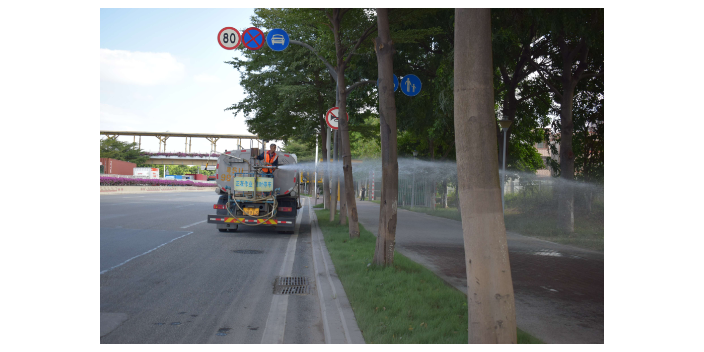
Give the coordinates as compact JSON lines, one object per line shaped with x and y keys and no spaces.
{"x":193,"y":224}
{"x":318,"y":234}
{"x":147,"y":252}
{"x":276,"y":321}
{"x":326,"y":326}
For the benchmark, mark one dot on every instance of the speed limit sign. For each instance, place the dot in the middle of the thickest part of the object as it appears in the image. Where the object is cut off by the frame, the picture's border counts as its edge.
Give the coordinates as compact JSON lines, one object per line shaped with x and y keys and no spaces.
{"x":229,"y":38}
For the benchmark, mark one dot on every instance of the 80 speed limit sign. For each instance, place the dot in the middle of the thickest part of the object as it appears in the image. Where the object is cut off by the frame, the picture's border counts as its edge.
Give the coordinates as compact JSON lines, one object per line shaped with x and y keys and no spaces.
{"x":229,"y":38}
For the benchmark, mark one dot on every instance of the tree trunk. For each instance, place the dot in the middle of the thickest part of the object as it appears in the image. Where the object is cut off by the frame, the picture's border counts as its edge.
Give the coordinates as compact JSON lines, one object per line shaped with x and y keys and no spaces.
{"x":434,"y":188}
{"x":490,"y":300}
{"x":444,"y":194}
{"x":335,"y":179}
{"x":343,"y":203}
{"x":344,"y":128}
{"x":384,"y":47}
{"x":565,"y":207}
{"x":588,"y":199}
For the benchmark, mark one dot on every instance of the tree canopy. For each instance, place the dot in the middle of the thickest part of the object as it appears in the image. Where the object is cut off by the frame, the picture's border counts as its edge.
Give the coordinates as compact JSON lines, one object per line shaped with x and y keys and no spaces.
{"x":114,"y":149}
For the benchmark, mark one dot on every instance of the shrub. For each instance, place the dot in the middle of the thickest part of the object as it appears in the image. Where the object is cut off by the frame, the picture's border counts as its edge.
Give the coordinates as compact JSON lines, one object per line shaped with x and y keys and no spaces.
{"x":119,"y":181}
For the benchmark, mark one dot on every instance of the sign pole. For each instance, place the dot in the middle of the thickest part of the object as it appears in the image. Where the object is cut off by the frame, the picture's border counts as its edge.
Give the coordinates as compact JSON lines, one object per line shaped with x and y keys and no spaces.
{"x":315,"y":174}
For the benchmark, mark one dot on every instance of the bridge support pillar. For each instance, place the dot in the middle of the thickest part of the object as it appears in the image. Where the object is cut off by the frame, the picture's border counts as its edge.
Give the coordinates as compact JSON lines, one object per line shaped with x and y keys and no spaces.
{"x":213,"y":143}
{"x":162,"y":139}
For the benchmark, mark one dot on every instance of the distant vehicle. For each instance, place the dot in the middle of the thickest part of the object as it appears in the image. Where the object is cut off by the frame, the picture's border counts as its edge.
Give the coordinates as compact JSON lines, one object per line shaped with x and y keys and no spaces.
{"x":278,"y":39}
{"x":211,"y":178}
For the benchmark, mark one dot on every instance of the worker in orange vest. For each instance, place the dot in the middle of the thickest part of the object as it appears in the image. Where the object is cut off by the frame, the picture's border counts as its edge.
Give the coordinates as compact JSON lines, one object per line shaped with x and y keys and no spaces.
{"x":270,"y":158}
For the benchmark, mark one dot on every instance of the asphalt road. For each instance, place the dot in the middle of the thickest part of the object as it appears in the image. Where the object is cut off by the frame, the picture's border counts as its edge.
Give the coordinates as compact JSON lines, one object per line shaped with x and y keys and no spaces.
{"x":169,"y":277}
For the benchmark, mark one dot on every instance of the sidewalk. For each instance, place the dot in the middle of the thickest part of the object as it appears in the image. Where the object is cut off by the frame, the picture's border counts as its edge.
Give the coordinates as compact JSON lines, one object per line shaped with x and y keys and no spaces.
{"x":559,"y":289}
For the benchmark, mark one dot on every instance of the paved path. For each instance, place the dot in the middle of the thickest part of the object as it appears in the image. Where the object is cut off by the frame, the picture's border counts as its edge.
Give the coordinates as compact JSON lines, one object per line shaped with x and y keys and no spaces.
{"x":559,"y":289}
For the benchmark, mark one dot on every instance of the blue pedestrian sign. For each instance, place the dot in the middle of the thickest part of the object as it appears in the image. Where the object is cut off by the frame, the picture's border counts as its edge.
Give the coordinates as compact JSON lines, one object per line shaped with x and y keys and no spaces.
{"x":277,"y":39}
{"x":395,"y":83}
{"x":410,"y":85}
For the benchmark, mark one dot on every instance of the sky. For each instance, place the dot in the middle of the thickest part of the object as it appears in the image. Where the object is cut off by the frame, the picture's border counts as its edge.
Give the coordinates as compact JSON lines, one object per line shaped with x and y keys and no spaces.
{"x":163,"y":70}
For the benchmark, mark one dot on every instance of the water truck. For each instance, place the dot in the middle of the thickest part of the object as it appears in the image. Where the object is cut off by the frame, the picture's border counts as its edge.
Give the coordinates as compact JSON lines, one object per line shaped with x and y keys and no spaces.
{"x":249,"y":196}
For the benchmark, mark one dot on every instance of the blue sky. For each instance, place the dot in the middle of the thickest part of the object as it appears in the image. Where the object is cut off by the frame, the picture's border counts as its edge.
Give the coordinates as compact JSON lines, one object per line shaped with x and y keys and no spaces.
{"x":163,"y":70}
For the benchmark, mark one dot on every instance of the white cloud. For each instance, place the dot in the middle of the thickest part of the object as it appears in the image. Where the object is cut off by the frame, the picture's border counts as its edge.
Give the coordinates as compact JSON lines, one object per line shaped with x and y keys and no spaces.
{"x":203,"y":78}
{"x":134,"y":67}
{"x":114,"y":118}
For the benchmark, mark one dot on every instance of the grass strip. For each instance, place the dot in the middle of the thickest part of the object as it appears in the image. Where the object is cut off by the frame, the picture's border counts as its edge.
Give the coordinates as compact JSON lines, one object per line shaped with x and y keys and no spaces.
{"x":406,"y":303}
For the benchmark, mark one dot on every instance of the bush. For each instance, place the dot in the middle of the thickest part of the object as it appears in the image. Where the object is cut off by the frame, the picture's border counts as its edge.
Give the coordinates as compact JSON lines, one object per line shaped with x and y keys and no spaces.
{"x":118,"y":181}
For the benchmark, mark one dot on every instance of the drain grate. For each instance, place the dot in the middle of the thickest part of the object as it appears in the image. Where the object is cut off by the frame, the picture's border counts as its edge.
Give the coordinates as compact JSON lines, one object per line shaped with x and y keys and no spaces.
{"x":297,"y":285}
{"x":247,"y":251}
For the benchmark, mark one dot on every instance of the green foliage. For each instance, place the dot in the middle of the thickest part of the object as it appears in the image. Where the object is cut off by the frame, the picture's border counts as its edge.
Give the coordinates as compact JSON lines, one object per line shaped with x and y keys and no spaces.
{"x":114,"y":149}
{"x":303,"y":152}
{"x":288,"y":92}
{"x":365,"y":142}
{"x":180,"y":169}
{"x":588,"y":138}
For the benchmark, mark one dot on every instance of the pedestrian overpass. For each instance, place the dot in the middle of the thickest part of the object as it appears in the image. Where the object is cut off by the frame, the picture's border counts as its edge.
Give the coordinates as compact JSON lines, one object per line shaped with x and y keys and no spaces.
{"x":188,"y":137}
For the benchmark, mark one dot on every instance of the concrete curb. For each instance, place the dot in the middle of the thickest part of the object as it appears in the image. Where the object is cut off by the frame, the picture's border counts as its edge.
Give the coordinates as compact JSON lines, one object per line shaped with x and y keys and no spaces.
{"x":107,"y":190}
{"x":339,"y":322}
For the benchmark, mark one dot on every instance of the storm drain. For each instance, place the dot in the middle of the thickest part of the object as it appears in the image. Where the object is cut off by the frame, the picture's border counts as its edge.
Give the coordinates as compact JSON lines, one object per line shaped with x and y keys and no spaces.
{"x":297,"y":285}
{"x":247,"y":251}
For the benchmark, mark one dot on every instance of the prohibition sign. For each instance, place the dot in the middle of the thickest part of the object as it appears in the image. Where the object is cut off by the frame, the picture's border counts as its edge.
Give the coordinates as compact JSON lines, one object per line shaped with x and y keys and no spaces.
{"x":331,"y":117}
{"x":253,"y":38}
{"x":229,"y":38}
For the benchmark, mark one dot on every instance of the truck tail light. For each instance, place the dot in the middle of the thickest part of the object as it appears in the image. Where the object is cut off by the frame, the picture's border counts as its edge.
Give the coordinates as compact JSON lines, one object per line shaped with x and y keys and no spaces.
{"x":218,"y":206}
{"x":284,"y":209}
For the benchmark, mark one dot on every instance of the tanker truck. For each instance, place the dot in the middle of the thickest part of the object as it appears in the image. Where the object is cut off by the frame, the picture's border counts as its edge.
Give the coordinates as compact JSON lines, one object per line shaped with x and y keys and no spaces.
{"x":250,"y":197}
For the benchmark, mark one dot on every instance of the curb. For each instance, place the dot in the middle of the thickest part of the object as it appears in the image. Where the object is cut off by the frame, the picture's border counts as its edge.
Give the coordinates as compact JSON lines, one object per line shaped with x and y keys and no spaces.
{"x":339,"y":322}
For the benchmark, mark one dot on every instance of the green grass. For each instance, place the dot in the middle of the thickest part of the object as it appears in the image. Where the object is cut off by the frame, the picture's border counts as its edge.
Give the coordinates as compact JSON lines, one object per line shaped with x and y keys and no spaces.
{"x":406,"y":303}
{"x":319,"y":205}
{"x":537,"y":217}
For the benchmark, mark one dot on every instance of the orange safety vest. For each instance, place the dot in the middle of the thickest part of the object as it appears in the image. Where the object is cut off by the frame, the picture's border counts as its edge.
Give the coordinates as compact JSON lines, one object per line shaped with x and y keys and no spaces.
{"x":269,"y":160}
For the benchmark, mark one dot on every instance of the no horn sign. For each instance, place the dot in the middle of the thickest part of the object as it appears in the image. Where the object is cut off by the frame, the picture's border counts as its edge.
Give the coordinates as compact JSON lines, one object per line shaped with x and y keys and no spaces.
{"x":331,"y":117}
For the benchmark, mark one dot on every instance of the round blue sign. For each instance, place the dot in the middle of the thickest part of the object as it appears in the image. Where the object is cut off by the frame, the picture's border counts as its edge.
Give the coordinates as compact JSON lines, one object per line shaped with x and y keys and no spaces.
{"x":277,"y":39}
{"x":395,"y":83}
{"x":253,"y":38}
{"x":410,"y":85}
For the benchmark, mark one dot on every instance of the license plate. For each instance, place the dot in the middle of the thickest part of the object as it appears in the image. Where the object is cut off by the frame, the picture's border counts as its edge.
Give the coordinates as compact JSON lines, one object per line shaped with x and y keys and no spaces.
{"x":251,"y":211}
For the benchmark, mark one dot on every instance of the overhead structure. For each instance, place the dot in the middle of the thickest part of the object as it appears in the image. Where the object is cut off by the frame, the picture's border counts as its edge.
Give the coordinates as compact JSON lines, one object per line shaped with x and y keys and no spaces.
{"x":163,"y":136}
